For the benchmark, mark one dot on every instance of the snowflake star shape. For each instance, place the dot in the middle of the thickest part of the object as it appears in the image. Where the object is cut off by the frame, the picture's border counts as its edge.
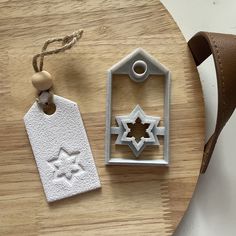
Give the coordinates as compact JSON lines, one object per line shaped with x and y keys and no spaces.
{"x":66,"y":165}
{"x":123,"y":130}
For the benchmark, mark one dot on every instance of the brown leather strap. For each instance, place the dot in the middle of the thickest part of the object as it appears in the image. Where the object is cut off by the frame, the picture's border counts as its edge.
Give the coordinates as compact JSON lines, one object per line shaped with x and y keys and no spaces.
{"x":223,"y":49}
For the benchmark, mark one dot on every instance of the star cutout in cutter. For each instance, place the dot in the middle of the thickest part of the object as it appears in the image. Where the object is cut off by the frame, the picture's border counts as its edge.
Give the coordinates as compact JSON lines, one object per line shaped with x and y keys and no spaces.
{"x":66,"y":165}
{"x":123,"y":130}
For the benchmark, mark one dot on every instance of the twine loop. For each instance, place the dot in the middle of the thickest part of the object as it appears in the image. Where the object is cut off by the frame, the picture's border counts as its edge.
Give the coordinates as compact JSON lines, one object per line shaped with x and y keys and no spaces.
{"x":67,"y":41}
{"x":45,"y":98}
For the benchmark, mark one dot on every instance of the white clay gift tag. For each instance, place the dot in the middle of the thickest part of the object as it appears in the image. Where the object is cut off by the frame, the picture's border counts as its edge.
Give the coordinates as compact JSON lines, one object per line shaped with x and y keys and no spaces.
{"x":61,"y":150}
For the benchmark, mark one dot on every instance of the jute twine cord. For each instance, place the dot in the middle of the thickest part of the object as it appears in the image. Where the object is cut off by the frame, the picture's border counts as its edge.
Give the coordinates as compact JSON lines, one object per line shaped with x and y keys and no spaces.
{"x":67,"y":43}
{"x":45,"y":98}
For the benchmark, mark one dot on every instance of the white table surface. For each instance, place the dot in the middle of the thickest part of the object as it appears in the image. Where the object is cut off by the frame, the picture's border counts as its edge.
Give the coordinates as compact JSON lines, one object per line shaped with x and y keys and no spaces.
{"x":212,"y":211}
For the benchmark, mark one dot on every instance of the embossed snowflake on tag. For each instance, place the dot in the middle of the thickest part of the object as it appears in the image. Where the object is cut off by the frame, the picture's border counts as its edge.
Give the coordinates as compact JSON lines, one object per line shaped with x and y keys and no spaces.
{"x":67,"y":166}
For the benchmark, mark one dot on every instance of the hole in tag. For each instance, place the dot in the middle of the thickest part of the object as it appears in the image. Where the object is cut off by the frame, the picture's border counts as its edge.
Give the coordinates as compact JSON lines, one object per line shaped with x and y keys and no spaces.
{"x":49,"y":109}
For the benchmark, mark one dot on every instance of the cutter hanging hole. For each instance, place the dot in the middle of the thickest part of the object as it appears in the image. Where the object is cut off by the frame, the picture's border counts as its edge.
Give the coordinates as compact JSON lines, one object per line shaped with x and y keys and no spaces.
{"x":139,"y":69}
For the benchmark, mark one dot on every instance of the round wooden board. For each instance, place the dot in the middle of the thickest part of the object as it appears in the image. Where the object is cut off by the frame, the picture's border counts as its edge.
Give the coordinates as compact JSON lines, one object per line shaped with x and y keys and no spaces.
{"x":133,"y":200}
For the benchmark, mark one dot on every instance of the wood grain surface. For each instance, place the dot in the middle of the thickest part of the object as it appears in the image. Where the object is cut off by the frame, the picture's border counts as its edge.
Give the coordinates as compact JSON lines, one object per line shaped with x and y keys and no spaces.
{"x":133,"y":200}
{"x":126,"y":94}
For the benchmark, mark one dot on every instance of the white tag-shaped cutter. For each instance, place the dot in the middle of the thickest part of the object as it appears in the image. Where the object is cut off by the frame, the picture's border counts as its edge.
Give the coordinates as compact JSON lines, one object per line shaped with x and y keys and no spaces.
{"x":126,"y":66}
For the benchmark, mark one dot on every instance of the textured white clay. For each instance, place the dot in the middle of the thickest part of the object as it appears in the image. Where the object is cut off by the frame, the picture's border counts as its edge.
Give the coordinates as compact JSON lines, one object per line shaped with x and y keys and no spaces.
{"x":61,"y":150}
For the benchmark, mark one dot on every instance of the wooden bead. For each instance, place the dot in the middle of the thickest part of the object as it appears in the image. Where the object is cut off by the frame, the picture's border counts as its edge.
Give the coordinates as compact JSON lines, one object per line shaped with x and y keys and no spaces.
{"x":42,"y":80}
